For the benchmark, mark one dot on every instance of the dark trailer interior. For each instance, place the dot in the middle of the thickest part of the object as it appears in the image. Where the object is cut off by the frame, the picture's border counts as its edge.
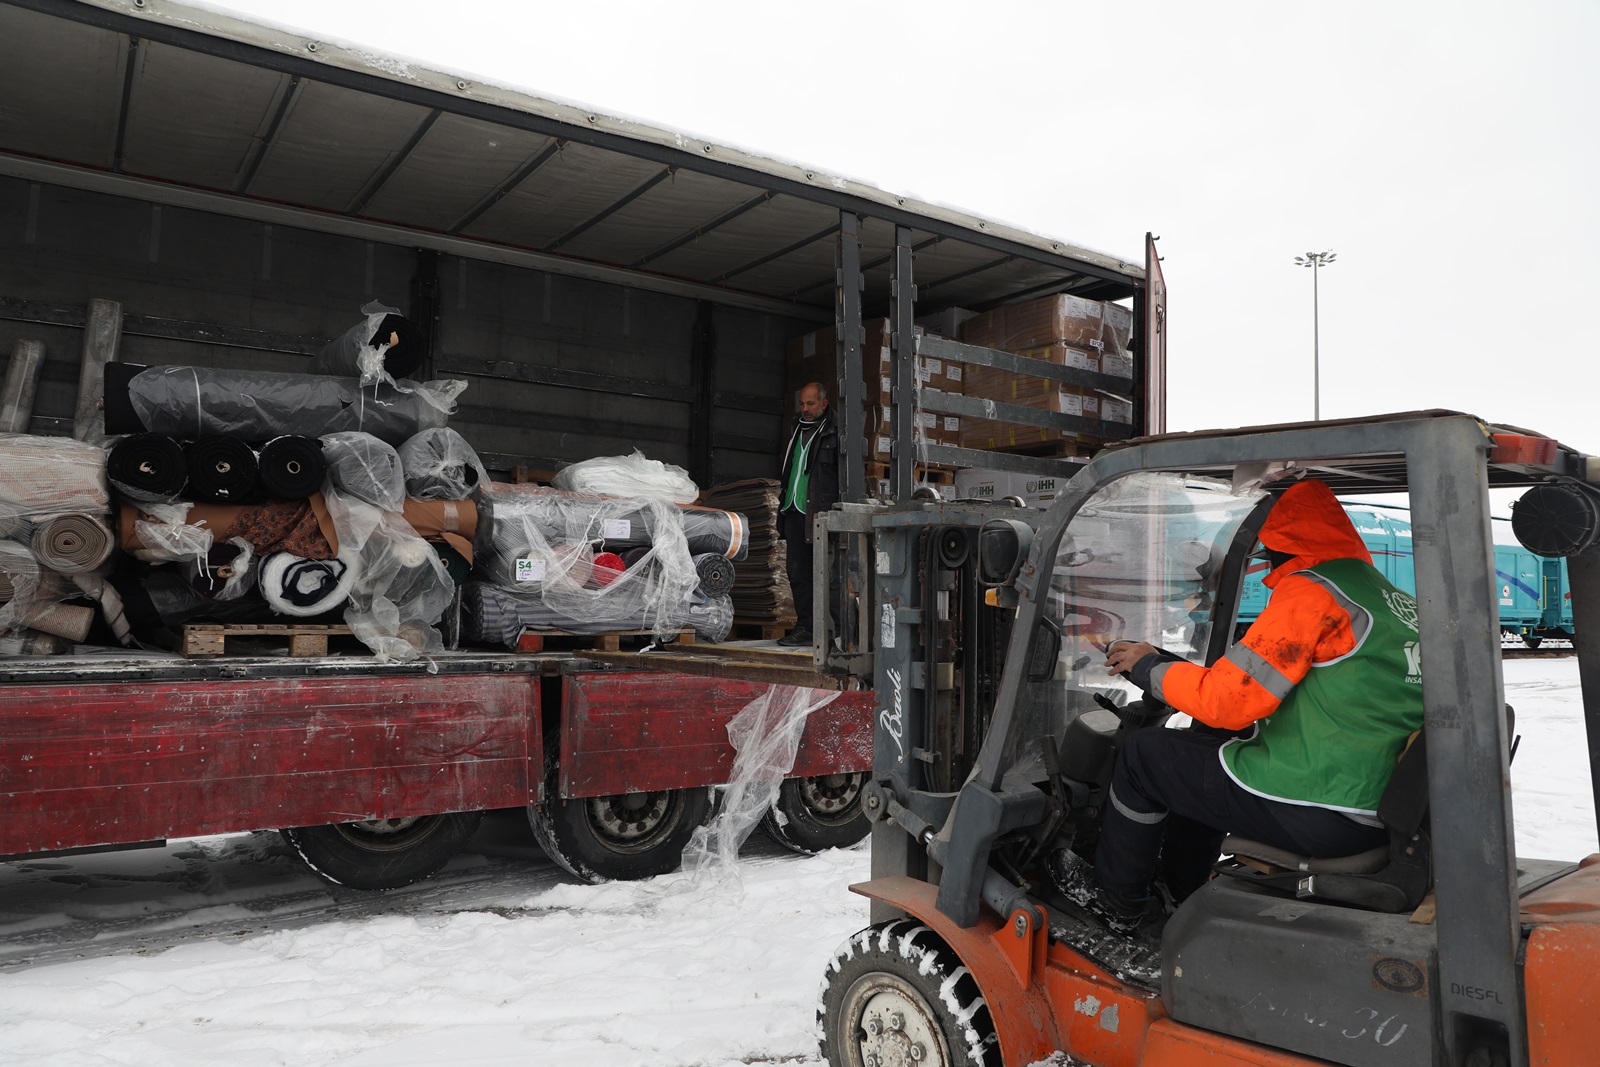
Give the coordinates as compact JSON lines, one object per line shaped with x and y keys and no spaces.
{"x":600,"y":284}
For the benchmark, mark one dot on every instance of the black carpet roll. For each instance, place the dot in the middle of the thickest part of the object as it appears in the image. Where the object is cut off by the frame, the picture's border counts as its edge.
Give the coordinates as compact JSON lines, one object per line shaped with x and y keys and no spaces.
{"x":149,"y":468}
{"x":222,"y":470}
{"x":341,"y":356}
{"x":291,"y":467}
{"x":716,"y":574}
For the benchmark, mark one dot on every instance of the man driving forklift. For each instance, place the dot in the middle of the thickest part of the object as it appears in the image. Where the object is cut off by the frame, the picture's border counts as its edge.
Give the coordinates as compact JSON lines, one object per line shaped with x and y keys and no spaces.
{"x":1328,"y":683}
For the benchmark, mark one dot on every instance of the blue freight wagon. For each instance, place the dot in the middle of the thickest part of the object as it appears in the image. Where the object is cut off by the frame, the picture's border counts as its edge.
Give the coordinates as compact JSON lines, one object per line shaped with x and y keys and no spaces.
{"x":1535,"y":602}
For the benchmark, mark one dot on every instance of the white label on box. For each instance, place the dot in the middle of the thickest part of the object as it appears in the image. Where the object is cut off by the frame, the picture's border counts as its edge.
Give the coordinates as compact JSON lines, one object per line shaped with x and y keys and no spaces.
{"x":1116,"y":410}
{"x":1121,"y":366}
{"x":924,"y":374}
{"x":1091,"y":406}
{"x":953,"y":372}
{"x":927,"y":420}
{"x":885,"y":444}
{"x":934,"y":366}
{"x":886,"y":385}
{"x":1075,"y":359}
{"x":530,"y":570}
{"x":948,"y":492}
{"x":1095,"y":342}
{"x":1070,"y":403}
{"x":951,"y":423}
{"x":616,"y":530}
{"x":1039,"y":485}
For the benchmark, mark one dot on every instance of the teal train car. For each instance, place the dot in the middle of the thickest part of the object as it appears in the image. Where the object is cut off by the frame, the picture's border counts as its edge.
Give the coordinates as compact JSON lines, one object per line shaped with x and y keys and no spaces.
{"x":1535,"y":600}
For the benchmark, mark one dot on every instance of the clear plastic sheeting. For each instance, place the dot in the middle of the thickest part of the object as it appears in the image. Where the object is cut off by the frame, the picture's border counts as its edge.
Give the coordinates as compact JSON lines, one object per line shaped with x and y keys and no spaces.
{"x":362,"y":351}
{"x":526,"y":543}
{"x":171,"y":538}
{"x":440,"y":465}
{"x":766,"y":738}
{"x":401,"y":587}
{"x":1138,"y":562}
{"x":635,"y":475}
{"x":194,"y":402}
{"x":366,"y":468}
{"x":42,"y":476}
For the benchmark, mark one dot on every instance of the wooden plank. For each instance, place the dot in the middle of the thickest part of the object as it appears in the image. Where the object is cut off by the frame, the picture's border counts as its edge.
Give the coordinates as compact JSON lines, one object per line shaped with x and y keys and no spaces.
{"x":305,"y":639}
{"x":110,"y":763}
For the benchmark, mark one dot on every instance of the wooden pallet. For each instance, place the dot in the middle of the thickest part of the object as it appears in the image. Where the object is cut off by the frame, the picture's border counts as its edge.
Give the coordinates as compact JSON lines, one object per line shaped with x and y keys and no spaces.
{"x":757,"y":631}
{"x":551,"y":640}
{"x":211,"y":639}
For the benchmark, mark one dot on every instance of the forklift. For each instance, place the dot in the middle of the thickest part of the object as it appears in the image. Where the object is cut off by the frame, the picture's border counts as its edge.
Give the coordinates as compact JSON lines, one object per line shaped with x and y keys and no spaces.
{"x":996,"y":726}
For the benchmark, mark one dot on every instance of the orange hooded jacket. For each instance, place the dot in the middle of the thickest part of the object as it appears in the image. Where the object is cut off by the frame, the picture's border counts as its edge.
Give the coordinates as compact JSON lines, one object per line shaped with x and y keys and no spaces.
{"x":1301,"y":625}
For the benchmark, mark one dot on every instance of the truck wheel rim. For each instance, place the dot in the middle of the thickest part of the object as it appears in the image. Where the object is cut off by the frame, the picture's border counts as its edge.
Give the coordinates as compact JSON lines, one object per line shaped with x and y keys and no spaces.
{"x":891,"y":1025}
{"x":832,"y":797}
{"x":632,"y":821}
{"x":380,"y":834}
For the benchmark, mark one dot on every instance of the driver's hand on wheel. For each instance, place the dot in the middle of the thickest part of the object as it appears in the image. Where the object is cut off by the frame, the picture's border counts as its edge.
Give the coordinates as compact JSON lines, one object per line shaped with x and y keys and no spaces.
{"x":1122,"y":655}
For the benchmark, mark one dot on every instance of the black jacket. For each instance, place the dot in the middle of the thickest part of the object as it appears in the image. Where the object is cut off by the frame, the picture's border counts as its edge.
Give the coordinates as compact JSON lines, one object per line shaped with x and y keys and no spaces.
{"x":822,"y":465}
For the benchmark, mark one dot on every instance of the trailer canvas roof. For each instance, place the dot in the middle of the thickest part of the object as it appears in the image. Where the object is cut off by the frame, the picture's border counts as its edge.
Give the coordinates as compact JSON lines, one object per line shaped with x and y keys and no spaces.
{"x":189,"y":106}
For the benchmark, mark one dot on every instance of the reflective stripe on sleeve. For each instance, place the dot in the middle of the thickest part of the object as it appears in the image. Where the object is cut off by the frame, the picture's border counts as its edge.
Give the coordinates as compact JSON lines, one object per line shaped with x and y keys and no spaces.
{"x":1257,"y":667}
{"x":1158,"y":672}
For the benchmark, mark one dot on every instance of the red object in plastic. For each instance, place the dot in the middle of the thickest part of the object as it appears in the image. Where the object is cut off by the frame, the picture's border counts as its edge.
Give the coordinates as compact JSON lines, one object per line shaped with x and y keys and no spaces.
{"x":1523,"y":450}
{"x":607,"y":565}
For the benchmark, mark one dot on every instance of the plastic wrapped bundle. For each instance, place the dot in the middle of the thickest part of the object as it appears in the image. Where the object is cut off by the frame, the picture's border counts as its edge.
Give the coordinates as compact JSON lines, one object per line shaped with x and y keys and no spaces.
{"x":716,"y":574}
{"x":366,"y":468}
{"x":192,"y":402}
{"x":148,"y":467}
{"x":491,"y":615}
{"x":521,"y":529}
{"x":225,"y":572}
{"x":634,"y":475}
{"x":161,"y":600}
{"x":51,"y":475}
{"x":402,"y":587}
{"x":222,"y":470}
{"x":384,"y":342}
{"x":302,"y":528}
{"x":292,"y":467}
{"x":440,"y":465}
{"x":30,"y":597}
{"x":619,"y":523}
{"x":304,"y":588}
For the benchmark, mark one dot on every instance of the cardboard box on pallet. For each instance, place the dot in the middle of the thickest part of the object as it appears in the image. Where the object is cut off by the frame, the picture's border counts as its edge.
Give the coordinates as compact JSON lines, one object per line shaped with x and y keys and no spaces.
{"x":1035,"y":490}
{"x":1060,"y":319}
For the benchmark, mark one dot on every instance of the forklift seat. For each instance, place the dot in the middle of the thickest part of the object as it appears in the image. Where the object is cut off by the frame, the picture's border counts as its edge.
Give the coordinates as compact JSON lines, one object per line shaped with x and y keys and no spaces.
{"x":1390,"y":878}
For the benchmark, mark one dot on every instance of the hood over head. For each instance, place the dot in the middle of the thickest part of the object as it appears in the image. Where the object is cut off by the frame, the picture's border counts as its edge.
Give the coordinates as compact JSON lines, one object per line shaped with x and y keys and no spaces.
{"x":1309,"y":525}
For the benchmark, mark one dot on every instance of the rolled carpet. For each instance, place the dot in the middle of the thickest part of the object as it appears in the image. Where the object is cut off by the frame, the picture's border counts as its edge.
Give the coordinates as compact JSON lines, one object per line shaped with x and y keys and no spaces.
{"x":19,"y":572}
{"x":72,"y":544}
{"x":291,"y":467}
{"x":305,"y":587}
{"x":150,"y":468}
{"x":50,"y":475}
{"x":222,"y":470}
{"x":716,"y":574}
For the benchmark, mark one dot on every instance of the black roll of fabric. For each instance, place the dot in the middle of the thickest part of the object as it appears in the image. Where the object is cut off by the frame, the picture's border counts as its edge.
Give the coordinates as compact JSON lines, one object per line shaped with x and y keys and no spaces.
{"x":291,"y":467}
{"x":222,"y":470}
{"x":405,"y":345}
{"x":149,"y":468}
{"x":716,"y":574}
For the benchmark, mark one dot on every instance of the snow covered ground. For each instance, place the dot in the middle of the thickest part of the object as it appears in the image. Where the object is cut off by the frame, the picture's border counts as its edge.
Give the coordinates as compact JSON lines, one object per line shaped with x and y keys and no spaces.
{"x":226,"y":951}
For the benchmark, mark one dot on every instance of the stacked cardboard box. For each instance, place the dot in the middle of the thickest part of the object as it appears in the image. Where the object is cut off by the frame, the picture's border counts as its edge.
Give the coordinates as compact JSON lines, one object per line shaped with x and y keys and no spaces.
{"x":1066,"y":331}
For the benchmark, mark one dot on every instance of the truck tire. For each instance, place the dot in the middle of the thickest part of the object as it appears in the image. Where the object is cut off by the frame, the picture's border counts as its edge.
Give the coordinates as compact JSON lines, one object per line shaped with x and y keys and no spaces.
{"x":897,"y":993}
{"x":623,"y":837}
{"x":817,"y":813}
{"x":383,"y":853}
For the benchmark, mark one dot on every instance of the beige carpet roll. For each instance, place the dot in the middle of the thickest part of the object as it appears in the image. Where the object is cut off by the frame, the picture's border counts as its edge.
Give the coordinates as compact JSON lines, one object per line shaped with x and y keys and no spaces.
{"x":72,"y":544}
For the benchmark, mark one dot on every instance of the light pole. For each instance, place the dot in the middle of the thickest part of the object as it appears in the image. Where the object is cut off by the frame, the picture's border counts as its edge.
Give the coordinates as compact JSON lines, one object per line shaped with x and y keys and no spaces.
{"x":1316,"y":261}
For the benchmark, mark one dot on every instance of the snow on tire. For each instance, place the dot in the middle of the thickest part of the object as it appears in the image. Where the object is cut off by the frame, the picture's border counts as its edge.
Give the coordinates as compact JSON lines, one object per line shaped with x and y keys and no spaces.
{"x":897,"y":993}
{"x":382,"y":853}
{"x":817,"y":813}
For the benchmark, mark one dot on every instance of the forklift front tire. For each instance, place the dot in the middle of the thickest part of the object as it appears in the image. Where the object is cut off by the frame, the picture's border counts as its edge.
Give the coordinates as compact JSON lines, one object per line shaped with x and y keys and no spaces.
{"x":897,"y":993}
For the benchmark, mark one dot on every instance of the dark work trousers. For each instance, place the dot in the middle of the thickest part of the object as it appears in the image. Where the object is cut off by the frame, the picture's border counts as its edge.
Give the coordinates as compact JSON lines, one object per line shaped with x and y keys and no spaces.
{"x":793,"y":525}
{"x":1172,"y":803}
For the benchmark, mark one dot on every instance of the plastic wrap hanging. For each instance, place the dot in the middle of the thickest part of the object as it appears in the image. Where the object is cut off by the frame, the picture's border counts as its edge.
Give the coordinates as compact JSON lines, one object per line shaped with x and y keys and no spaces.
{"x":633,"y":475}
{"x":362,"y":466}
{"x":383,"y":344}
{"x":525,"y":534}
{"x":766,"y":738}
{"x":193,"y":402}
{"x":440,"y":465}
{"x":401,"y":587}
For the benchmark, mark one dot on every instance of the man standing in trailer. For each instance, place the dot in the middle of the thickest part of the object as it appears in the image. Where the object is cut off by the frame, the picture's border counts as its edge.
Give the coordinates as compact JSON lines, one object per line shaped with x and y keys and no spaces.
{"x":810,"y":485}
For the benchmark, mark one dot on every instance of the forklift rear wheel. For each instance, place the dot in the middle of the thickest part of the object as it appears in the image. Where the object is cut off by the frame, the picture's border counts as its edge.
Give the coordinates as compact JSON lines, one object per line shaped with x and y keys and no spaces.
{"x":897,"y":993}
{"x":383,"y":853}
{"x":816,"y":813}
{"x":621,"y":837}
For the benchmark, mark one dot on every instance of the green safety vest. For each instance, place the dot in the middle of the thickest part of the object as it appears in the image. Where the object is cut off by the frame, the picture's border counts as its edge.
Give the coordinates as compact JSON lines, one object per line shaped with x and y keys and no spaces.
{"x":1334,"y":740}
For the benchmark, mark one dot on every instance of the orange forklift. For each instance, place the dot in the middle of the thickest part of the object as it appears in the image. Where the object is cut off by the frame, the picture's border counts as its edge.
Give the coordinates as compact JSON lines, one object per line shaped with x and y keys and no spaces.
{"x":997,"y":725}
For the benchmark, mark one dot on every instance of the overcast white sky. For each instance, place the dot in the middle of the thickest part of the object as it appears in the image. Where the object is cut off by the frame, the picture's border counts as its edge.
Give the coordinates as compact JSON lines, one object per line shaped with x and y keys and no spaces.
{"x":1447,"y":152}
